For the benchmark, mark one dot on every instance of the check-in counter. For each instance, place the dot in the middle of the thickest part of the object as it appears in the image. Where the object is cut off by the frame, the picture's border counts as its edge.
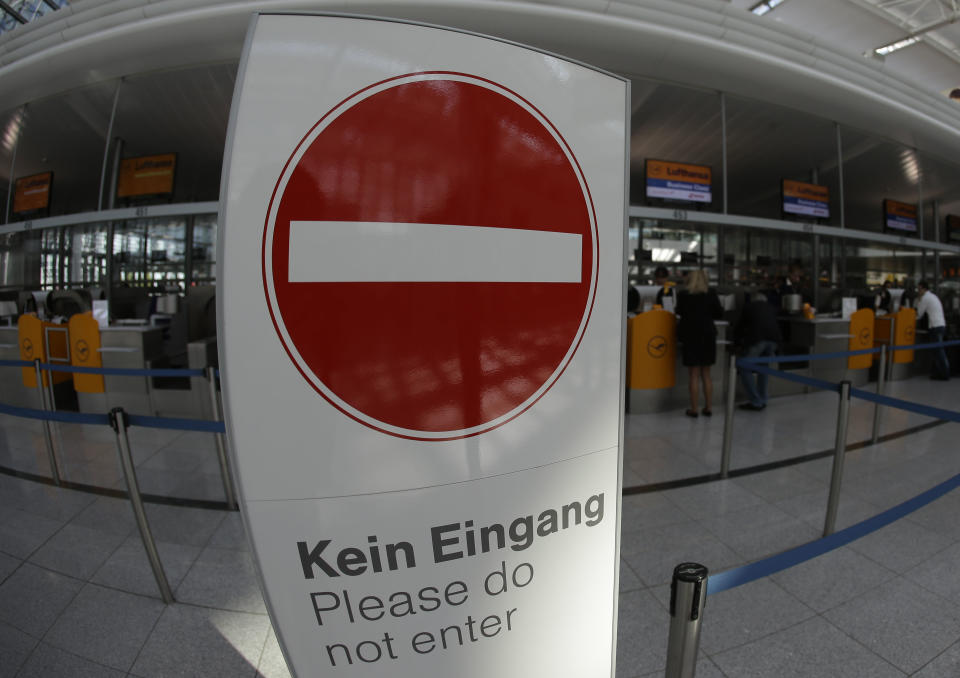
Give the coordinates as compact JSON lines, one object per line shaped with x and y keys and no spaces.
{"x":129,"y":347}
{"x":12,"y":390}
{"x":817,"y":336}
{"x":656,"y":378}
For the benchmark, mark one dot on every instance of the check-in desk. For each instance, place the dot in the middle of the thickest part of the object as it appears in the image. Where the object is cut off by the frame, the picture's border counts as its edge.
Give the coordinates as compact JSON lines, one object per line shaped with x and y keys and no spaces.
{"x":12,"y":390}
{"x":818,"y":336}
{"x":656,"y":378}
{"x":129,"y":347}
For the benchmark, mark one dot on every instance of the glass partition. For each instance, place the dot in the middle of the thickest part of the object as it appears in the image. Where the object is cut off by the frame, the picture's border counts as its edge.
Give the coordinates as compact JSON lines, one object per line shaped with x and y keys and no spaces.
{"x":678,"y":124}
{"x":204,"y":251}
{"x":166,"y":254}
{"x":766,"y":144}
{"x":86,"y":252}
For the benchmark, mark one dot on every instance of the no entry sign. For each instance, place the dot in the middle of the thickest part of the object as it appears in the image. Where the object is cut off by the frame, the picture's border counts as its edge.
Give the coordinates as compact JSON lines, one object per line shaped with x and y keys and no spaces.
{"x":440,"y":232}
{"x":420,"y":311}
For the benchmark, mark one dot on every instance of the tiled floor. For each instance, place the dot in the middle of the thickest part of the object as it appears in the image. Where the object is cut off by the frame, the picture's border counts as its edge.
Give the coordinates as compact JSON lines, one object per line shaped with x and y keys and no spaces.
{"x":77,"y":597}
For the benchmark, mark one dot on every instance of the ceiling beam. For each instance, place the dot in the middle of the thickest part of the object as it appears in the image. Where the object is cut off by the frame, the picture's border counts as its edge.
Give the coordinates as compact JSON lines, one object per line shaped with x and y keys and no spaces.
{"x":6,"y":7}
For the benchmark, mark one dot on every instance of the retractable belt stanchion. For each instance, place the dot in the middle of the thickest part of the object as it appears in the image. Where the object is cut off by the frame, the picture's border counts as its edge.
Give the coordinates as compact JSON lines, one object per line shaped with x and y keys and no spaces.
{"x":840,"y":448}
{"x":221,"y":444}
{"x":118,"y":419}
{"x":881,"y":383}
{"x":688,"y":593}
{"x":47,"y":433}
{"x":728,"y":407}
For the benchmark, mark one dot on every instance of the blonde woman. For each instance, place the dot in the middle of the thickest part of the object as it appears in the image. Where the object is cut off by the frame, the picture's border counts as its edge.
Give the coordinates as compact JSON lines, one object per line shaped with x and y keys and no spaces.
{"x":697,"y":308}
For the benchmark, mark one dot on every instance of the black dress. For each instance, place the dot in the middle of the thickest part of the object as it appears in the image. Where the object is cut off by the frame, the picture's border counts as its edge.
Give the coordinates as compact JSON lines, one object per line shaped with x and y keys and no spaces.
{"x":695,"y":329}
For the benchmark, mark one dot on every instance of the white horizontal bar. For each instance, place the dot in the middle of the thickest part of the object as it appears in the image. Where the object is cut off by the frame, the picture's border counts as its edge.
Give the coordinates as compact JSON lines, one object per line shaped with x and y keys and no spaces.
{"x":365,"y":251}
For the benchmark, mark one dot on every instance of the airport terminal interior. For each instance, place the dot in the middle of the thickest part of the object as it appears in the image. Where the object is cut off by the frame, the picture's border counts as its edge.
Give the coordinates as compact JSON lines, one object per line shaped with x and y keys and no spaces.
{"x":817,"y":143}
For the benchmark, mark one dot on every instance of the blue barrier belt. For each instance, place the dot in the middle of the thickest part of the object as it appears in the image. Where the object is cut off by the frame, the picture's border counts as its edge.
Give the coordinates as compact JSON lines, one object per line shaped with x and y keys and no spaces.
{"x":809,"y":381}
{"x":764,"y":568}
{"x":123,"y":371}
{"x":925,"y":410}
{"x":66,"y":417}
{"x":177,"y":424}
{"x":805,"y":357}
{"x":15,"y":363}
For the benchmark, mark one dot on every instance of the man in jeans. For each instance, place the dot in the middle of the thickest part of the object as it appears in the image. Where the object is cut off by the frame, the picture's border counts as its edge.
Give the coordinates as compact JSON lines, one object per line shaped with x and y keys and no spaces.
{"x":756,"y":334}
{"x":928,"y":303}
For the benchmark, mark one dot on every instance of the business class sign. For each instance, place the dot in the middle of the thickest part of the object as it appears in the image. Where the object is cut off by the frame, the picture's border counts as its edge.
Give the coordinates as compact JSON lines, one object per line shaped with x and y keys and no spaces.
{"x":420,"y":320}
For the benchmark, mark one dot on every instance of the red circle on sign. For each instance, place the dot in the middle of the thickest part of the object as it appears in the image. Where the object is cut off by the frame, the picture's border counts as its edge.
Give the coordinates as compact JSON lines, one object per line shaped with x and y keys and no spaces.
{"x":442,"y":359}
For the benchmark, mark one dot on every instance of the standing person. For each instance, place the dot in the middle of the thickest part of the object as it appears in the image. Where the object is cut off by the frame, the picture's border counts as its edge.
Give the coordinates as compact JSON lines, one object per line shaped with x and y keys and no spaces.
{"x":929,"y":304}
{"x":885,"y":300}
{"x":756,"y":334}
{"x":667,"y":294}
{"x":697,"y":308}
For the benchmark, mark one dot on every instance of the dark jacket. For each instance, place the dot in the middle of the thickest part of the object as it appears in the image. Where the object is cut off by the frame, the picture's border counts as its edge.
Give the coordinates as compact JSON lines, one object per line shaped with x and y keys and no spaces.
{"x":757,"y":322}
{"x":697,"y":313}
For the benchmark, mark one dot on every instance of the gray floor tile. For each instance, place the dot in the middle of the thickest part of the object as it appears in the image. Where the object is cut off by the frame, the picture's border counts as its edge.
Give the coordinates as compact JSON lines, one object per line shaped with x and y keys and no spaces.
{"x":754,"y":534}
{"x":903,"y":623}
{"x":108,"y":514}
{"x":8,"y":565}
{"x":32,"y":598}
{"x":222,"y":579}
{"x":51,"y":662}
{"x":901,"y":545}
{"x":649,"y":510}
{"x":51,"y":502}
{"x":946,"y":665}
{"x":128,"y":569}
{"x":76,"y":551}
{"x":833,"y":578}
{"x":628,"y":579}
{"x":642,"y":634}
{"x":811,"y":649}
{"x":198,"y":642}
{"x":939,"y":574}
{"x":105,"y":626}
{"x":22,"y":533}
{"x":230,"y":534}
{"x":15,"y":647}
{"x":654,"y":552}
{"x":744,"y":614}
{"x":713,"y":499}
{"x":180,"y":525}
{"x":779,"y":484}
{"x":272,"y":663}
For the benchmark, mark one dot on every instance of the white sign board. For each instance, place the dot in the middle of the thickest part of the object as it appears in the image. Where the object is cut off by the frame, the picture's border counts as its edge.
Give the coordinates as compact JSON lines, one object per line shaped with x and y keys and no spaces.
{"x":421,"y":305}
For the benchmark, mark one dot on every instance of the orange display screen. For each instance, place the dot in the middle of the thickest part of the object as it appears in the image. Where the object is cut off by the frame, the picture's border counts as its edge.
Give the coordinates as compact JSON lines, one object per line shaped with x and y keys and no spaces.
{"x":32,"y":193}
{"x":146,"y":175}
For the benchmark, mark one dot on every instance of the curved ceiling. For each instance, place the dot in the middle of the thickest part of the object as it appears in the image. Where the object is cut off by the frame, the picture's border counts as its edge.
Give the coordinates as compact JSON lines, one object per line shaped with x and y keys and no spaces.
{"x":712,"y":44}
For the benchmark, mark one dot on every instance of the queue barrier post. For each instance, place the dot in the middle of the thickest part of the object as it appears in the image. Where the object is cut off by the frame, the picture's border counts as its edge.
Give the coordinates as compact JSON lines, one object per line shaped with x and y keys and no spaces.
{"x":881,"y":386}
{"x":47,"y":432}
{"x":840,"y":448}
{"x":120,"y":422}
{"x":225,"y":475}
{"x":688,"y":594}
{"x":728,"y":406}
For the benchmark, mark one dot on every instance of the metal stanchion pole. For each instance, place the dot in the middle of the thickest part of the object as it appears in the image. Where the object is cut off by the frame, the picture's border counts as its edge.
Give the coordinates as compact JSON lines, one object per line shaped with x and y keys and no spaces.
{"x":839,"y":450}
{"x":728,"y":406}
{"x":118,"y":419}
{"x":47,"y":433}
{"x":688,"y":593}
{"x":881,"y":379}
{"x":221,"y":444}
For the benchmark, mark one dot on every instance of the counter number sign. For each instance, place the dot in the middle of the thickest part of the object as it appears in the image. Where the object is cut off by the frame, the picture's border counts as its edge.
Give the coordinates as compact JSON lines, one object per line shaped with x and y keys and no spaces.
{"x":444,"y":301}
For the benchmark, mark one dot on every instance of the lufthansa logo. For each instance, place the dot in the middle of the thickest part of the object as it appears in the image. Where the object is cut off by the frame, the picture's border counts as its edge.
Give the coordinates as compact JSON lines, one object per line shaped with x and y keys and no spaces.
{"x":865,"y":336}
{"x":909,"y":333}
{"x":27,"y":347}
{"x":657,"y":347}
{"x":83,"y":350}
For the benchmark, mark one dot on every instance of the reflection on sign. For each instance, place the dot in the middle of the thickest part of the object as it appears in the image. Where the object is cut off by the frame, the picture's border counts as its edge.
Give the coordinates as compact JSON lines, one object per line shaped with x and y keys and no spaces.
{"x":679,"y":181}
